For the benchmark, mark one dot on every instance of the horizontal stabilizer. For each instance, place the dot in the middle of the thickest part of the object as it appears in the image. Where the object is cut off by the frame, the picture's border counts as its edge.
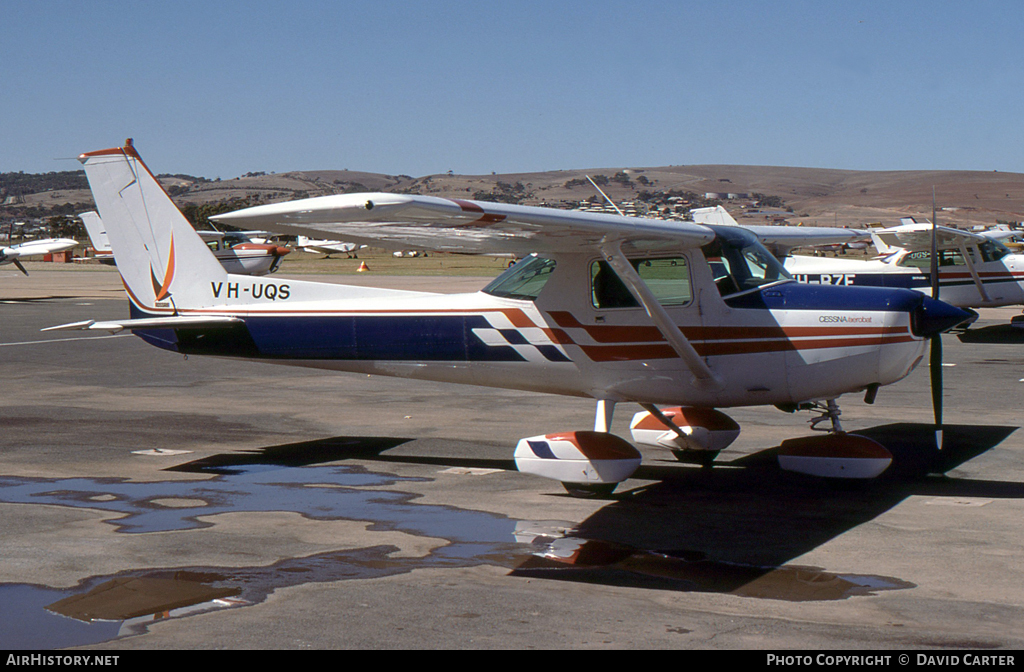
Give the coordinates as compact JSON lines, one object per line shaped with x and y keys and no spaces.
{"x":175,"y":322}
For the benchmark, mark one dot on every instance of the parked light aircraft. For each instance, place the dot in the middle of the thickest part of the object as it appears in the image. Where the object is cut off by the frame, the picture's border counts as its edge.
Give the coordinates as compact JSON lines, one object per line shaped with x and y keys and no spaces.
{"x":239,"y":253}
{"x":34,"y":248}
{"x":236,"y":251}
{"x":975,"y":269}
{"x":781,"y":240}
{"x":326,"y":247}
{"x":617,"y":309}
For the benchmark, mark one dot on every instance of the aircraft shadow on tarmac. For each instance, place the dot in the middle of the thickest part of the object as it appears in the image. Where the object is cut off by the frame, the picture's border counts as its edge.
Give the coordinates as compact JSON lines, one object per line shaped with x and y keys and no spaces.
{"x":728,"y":529}
{"x":996,"y":333}
{"x":321,"y":451}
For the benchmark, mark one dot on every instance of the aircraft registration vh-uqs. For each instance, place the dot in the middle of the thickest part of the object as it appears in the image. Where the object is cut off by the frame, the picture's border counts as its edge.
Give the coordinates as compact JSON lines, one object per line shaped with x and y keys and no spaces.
{"x":614,"y":308}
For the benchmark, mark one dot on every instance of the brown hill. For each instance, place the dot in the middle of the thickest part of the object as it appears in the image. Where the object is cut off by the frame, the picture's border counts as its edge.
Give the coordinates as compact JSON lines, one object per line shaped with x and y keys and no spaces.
{"x":816,"y":196}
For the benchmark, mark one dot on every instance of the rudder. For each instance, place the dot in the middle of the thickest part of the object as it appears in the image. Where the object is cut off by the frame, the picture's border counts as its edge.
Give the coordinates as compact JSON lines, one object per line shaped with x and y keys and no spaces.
{"x":162,"y":260}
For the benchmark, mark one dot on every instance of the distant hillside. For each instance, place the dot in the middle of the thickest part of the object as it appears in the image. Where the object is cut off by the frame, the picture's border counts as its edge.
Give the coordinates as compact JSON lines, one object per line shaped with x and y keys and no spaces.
{"x":18,"y":184}
{"x":765,"y":193}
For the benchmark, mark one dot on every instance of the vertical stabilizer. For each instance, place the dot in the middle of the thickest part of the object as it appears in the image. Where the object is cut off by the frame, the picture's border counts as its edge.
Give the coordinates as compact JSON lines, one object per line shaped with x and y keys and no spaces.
{"x":162,"y":260}
{"x":97,"y":233}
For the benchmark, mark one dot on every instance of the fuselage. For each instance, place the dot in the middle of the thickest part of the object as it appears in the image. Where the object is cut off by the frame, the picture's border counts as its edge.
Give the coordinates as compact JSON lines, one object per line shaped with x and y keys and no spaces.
{"x":1002,"y":278}
{"x":558,"y":331}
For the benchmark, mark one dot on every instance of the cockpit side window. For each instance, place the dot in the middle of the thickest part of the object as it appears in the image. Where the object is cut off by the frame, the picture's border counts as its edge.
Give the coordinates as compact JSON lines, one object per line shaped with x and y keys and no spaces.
{"x":668,"y":279}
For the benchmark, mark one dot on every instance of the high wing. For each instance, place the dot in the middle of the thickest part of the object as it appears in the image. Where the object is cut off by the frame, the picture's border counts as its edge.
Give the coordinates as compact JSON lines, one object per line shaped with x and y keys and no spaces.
{"x":402,"y":222}
{"x":917,"y":236}
{"x":781,"y":239}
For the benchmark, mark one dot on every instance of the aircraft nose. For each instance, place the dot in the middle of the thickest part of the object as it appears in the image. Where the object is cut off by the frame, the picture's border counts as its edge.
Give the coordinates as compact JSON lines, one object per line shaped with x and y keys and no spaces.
{"x":932,"y":317}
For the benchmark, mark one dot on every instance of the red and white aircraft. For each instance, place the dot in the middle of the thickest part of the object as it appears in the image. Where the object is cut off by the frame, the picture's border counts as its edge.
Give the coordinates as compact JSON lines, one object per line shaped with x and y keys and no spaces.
{"x":236,"y":252}
{"x":616,"y":309}
{"x":239,"y":253}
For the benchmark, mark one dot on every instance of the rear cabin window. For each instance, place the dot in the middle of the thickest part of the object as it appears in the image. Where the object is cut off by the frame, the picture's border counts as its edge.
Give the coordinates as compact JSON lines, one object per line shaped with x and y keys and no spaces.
{"x":923,"y":259}
{"x":667,"y":278}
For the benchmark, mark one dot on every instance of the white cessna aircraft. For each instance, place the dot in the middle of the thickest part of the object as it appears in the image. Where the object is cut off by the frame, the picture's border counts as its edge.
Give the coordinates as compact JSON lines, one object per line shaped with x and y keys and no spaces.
{"x":235,"y":251}
{"x":34,"y":248}
{"x":325,"y":247}
{"x":974,"y":270}
{"x":617,"y":309}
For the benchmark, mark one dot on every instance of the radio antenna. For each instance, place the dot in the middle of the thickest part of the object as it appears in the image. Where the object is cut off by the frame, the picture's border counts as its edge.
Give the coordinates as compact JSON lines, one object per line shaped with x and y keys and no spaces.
{"x":610,"y":202}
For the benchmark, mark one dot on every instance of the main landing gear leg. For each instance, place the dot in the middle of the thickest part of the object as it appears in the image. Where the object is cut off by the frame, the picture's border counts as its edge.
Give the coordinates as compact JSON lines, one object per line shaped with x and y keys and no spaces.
{"x":829,"y":411}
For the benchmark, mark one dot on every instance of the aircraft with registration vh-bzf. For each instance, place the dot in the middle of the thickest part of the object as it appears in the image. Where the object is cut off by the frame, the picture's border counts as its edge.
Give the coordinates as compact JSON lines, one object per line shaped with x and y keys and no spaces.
{"x":974,"y":269}
{"x":614,"y":308}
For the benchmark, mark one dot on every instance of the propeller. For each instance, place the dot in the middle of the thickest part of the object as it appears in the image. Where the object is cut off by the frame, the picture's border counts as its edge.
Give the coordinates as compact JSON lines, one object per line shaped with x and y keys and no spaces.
{"x":935,"y":355}
{"x":20,"y":267}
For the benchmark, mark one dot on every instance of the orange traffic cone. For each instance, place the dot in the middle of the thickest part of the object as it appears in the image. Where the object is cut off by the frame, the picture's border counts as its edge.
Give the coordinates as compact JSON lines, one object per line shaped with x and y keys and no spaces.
{"x":362,"y":267}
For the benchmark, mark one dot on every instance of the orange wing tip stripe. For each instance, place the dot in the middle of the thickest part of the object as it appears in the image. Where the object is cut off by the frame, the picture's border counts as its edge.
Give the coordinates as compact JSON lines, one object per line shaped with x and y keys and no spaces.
{"x":485,"y":217}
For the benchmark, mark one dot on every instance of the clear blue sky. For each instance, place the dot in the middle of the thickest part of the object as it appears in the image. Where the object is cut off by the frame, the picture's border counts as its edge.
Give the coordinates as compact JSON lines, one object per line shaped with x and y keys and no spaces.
{"x":218,"y":88}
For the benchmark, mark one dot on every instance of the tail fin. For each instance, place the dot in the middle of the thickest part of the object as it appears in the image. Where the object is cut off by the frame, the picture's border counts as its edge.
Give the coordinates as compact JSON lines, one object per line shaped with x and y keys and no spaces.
{"x":97,"y":233}
{"x":162,"y":260}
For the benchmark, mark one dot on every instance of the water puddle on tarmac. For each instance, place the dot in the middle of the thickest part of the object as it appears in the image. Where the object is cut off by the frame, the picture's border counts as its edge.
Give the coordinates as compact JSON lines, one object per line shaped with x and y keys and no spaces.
{"x":103,"y":608}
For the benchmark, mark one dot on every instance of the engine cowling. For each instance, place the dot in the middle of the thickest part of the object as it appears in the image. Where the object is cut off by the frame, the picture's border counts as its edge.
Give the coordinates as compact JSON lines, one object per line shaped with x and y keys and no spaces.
{"x":584,"y":457}
{"x":703,"y":429}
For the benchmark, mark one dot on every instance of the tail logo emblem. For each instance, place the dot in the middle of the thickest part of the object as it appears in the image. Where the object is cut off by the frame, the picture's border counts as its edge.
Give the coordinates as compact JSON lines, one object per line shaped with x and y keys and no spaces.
{"x":162,"y":289}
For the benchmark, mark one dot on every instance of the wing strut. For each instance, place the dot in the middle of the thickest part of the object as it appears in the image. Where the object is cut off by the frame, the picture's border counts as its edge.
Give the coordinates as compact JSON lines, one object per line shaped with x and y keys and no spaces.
{"x":974,"y":273}
{"x":612,"y":252}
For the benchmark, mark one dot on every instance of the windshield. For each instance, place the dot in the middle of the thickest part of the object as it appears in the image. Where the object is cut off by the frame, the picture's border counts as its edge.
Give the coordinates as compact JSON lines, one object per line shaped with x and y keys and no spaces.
{"x":739,"y":262}
{"x":993,"y":250}
{"x":523,"y":281}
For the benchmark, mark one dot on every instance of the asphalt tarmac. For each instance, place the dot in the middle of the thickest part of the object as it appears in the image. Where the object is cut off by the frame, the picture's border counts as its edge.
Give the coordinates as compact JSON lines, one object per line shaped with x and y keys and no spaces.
{"x":151,"y":501}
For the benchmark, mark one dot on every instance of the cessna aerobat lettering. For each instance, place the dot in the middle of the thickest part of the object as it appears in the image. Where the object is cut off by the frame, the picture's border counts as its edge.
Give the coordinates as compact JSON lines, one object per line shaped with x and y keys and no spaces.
{"x":682,"y":318}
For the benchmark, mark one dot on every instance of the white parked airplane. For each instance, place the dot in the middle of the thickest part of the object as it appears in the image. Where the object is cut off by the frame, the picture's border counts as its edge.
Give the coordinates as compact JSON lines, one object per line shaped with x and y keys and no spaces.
{"x":327,"y":247}
{"x":34,"y":248}
{"x":236,"y":251}
{"x":782,"y":239}
{"x":617,"y":309}
{"x":974,"y":270}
